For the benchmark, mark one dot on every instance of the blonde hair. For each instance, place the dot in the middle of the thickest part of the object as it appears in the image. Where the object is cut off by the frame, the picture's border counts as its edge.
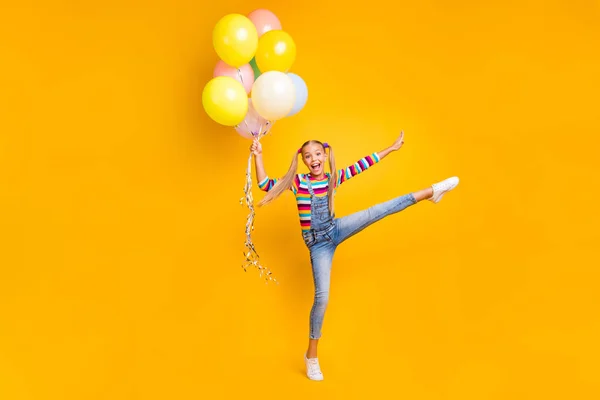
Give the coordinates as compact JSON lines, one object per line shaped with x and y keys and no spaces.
{"x":287,"y":180}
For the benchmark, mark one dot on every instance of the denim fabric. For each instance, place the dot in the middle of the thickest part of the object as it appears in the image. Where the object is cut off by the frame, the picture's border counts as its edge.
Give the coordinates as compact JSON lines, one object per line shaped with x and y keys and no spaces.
{"x":328,"y":232}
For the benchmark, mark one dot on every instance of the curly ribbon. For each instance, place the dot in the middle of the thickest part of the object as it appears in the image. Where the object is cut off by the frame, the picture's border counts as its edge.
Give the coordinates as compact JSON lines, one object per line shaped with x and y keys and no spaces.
{"x":251,"y":257}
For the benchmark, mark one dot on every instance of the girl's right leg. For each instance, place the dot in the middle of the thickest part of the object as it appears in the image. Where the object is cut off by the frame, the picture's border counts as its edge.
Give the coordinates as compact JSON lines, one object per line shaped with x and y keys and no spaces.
{"x":321,"y":257}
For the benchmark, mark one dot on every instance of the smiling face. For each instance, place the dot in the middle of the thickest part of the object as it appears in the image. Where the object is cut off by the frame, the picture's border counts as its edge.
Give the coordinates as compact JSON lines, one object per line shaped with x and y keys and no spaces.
{"x":314,"y":156}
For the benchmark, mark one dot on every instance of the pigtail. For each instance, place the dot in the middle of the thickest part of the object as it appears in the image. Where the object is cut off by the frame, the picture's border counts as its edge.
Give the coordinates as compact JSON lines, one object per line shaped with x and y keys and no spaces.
{"x":282,"y":184}
{"x":332,"y":179}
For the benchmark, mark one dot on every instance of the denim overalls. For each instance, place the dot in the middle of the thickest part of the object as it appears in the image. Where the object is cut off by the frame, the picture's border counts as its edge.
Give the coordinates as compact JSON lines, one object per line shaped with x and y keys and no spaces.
{"x":322,"y":223}
{"x":326,"y":233}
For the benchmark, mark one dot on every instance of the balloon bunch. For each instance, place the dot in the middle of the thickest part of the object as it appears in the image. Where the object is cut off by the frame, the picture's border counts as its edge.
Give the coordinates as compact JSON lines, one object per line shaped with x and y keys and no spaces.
{"x":251,"y":88}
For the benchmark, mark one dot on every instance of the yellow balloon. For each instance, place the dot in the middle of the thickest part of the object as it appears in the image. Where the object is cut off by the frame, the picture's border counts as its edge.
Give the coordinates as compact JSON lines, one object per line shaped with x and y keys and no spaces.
{"x":235,"y":39}
{"x":276,"y":51}
{"x":225,"y":100}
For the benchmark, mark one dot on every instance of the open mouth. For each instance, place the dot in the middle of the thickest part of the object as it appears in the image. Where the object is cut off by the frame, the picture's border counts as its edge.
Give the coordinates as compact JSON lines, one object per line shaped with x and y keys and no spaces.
{"x":315,"y":166}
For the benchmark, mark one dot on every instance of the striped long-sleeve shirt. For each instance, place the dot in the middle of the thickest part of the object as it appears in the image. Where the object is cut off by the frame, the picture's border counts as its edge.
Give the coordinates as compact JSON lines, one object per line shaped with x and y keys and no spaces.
{"x":320,"y":186}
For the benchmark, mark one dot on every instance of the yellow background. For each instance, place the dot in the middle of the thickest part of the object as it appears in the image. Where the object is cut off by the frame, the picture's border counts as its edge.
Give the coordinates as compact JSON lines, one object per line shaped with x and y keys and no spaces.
{"x":122,"y":235}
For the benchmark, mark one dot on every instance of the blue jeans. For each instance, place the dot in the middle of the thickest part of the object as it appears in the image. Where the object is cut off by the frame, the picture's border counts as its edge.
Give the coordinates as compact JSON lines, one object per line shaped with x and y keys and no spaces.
{"x":326,"y":234}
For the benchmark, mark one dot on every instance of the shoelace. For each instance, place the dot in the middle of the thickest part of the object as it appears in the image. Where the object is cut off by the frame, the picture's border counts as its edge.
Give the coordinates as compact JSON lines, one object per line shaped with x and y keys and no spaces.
{"x":313,"y":366}
{"x":441,"y":187}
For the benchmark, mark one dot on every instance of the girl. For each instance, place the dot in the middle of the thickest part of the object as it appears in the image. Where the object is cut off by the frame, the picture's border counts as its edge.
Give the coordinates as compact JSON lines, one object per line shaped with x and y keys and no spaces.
{"x":321,"y":230}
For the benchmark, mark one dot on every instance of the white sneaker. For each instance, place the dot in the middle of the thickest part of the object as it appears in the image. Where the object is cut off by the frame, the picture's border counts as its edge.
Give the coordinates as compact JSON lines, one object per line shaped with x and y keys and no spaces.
{"x":440,"y":188}
{"x":313,"y":370}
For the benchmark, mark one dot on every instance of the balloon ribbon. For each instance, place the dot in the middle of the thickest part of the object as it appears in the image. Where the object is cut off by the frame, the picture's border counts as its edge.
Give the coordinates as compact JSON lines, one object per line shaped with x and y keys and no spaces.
{"x":252,"y":259}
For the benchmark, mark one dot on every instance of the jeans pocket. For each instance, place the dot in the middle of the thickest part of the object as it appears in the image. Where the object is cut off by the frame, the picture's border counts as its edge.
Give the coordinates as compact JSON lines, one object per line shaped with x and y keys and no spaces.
{"x":309,"y":240}
{"x":324,"y":216}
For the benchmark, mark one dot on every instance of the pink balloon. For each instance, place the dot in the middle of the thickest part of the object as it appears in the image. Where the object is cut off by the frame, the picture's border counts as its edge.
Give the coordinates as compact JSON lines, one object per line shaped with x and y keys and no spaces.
{"x":245,"y":74}
{"x":264,"y":21}
{"x":252,"y":124}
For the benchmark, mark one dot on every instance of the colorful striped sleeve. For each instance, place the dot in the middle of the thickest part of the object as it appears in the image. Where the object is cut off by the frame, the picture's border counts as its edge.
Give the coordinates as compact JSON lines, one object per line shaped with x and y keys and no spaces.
{"x":267,"y":184}
{"x":356,"y":168}
{"x":296,"y":184}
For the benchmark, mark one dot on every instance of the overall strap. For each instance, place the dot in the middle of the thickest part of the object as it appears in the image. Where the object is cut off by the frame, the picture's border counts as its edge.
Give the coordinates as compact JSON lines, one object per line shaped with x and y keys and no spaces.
{"x":310,"y":189}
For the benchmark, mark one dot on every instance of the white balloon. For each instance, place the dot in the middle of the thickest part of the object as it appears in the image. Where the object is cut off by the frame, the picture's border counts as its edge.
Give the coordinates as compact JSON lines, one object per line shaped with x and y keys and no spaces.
{"x":273,"y":95}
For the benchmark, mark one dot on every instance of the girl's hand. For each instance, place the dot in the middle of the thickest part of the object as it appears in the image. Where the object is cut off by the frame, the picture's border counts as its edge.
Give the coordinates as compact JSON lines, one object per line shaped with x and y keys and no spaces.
{"x":256,"y":147}
{"x":399,"y":142}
